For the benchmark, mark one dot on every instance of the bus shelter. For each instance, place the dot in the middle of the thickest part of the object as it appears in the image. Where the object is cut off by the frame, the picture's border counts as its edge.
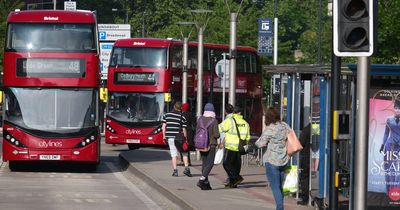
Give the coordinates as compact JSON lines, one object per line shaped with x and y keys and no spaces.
{"x":303,"y":94}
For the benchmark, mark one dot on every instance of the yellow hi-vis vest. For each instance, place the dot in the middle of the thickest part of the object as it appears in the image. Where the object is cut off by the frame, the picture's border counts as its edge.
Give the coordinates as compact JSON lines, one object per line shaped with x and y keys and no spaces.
{"x":231,"y":136}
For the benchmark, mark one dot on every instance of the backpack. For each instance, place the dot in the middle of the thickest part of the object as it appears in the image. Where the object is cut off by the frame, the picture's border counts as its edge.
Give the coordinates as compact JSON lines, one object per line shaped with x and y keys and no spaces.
{"x":201,"y":136}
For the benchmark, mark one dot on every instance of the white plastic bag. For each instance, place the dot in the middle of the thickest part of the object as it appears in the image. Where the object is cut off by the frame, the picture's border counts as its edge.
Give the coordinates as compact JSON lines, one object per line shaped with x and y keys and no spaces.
{"x":219,"y":155}
{"x":290,"y":183}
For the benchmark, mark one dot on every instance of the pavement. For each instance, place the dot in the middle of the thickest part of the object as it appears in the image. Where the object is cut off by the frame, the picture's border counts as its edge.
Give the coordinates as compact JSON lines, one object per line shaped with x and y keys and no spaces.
{"x":154,"y":167}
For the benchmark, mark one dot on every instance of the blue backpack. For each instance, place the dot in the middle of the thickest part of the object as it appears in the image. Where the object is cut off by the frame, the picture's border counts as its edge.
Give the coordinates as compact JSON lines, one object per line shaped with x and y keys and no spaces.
{"x":201,"y":136}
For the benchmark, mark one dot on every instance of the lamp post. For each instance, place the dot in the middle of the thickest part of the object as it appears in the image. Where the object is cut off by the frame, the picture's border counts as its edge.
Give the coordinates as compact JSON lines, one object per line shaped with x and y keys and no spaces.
{"x":126,"y":14}
{"x":232,"y":52}
{"x":144,"y":2}
{"x":232,"y":62}
{"x":201,"y":20}
{"x":143,"y":23}
{"x":185,"y":58}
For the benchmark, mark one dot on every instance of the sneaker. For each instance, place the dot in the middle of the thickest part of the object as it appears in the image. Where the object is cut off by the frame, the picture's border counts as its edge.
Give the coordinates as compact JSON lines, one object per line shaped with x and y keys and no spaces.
{"x":208,"y":186}
{"x":204,"y":185}
{"x":238,"y":181}
{"x":302,"y":203}
{"x":227,"y":181}
{"x":175,"y":173}
{"x":230,"y":185}
{"x":313,"y":174}
{"x":187,"y":172}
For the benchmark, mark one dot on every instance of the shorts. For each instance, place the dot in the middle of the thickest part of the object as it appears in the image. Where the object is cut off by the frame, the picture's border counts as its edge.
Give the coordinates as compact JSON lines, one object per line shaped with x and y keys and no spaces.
{"x":172,"y":148}
{"x":315,"y":154}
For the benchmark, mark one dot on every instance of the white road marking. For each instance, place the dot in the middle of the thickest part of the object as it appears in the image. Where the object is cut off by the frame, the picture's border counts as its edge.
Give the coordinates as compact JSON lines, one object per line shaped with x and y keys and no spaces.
{"x":143,"y":197}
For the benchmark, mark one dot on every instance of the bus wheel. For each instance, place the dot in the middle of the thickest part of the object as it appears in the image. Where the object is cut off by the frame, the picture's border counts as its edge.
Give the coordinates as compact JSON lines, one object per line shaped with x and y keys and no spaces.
{"x":133,"y":146}
{"x":92,"y":167}
{"x":14,"y":165}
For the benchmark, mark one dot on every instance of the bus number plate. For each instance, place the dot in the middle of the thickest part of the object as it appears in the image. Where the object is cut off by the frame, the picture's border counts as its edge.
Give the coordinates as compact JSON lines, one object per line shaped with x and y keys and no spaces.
{"x":50,"y":157}
{"x":133,"y":141}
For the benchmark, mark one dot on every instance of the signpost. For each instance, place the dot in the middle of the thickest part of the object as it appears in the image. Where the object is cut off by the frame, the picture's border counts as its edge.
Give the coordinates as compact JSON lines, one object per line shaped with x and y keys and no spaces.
{"x":69,"y":5}
{"x":222,"y":70}
{"x":108,"y":33}
{"x":265,"y":36}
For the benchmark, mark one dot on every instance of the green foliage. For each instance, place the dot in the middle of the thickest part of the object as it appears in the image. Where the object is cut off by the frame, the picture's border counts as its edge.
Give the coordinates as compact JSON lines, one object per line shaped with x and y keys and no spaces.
{"x":6,"y":7}
{"x":298,"y":24}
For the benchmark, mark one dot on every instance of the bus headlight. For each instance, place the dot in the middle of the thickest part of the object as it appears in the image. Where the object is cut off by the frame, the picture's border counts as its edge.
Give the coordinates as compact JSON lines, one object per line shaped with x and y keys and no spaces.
{"x":87,"y":140}
{"x":109,"y":128}
{"x":11,"y":139}
{"x":158,"y":129}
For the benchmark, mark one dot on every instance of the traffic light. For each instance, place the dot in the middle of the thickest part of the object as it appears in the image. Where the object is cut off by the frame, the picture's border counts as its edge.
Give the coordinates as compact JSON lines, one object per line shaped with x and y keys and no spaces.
{"x":353,"y":27}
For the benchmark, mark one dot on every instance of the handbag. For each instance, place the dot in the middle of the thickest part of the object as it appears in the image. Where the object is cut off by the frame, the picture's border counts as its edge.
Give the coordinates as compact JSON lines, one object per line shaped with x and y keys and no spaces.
{"x":219,"y":155}
{"x":181,"y":143}
{"x":293,"y":144}
{"x":290,"y":183}
{"x":243,"y":146}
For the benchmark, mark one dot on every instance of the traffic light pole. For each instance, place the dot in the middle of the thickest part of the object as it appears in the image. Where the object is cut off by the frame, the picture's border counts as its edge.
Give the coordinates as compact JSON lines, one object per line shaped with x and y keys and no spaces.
{"x":335,"y":92}
{"x":361,"y":140}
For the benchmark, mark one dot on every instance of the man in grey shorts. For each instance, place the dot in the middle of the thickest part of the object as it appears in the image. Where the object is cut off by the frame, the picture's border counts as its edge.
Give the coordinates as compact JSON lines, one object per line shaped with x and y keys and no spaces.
{"x":172,"y":123}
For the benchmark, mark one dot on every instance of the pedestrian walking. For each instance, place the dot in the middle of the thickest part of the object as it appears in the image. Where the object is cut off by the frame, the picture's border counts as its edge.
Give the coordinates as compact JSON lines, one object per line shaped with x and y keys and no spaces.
{"x":304,"y":165}
{"x":274,"y":137}
{"x":232,"y":159}
{"x":173,"y":122}
{"x":208,"y":122}
{"x":191,"y":127}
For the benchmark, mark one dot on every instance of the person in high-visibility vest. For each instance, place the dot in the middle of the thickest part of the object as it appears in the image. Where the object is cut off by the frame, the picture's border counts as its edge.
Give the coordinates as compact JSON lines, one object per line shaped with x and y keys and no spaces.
{"x":232,"y":158}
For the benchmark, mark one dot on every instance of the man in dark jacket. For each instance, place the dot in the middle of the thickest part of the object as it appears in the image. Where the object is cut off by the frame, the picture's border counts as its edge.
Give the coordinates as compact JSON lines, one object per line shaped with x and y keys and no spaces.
{"x":304,"y":165}
{"x":191,"y":126}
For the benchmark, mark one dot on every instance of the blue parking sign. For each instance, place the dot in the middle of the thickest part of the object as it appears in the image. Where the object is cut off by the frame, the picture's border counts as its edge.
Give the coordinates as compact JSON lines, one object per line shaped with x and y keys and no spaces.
{"x":102,"y":35}
{"x":265,"y":36}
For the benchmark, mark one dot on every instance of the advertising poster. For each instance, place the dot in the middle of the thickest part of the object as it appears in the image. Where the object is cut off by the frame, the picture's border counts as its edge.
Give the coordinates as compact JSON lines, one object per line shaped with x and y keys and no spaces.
{"x":384,"y":149}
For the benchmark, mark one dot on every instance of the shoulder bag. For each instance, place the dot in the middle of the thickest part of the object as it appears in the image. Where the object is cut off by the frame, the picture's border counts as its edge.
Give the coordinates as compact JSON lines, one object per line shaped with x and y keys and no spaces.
{"x":243,"y":147}
{"x":181,"y":143}
{"x":293,"y":144}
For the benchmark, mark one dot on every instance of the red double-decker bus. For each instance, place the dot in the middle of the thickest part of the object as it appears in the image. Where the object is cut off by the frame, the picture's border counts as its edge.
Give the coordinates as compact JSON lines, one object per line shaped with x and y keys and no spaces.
{"x":144,"y":73}
{"x":51,"y":83}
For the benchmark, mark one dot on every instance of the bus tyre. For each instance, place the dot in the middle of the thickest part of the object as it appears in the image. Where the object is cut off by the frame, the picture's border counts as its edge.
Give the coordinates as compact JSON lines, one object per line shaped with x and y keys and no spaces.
{"x":133,"y":146}
{"x":91,"y":167}
{"x":14,"y":165}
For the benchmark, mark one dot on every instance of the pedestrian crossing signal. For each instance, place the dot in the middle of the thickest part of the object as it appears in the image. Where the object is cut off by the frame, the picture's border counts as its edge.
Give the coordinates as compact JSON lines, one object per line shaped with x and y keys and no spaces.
{"x":353,"y":27}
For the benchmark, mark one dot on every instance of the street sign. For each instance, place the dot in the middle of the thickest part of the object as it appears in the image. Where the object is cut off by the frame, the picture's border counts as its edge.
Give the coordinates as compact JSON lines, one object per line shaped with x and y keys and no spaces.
{"x":113,"y":32}
{"x":108,"y":33}
{"x":105,"y":53}
{"x":222,"y":70}
{"x":69,"y":5}
{"x":265,"y":36}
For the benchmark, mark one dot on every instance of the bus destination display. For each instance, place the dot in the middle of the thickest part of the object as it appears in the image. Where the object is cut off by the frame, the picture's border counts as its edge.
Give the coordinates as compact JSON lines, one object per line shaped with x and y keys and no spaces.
{"x":51,"y":67}
{"x":136,"y":78}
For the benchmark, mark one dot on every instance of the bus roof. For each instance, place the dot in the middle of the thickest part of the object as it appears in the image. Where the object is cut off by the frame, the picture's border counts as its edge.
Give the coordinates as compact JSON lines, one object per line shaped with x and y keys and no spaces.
{"x":143,"y":42}
{"x":155,"y":42}
{"x":41,"y":16}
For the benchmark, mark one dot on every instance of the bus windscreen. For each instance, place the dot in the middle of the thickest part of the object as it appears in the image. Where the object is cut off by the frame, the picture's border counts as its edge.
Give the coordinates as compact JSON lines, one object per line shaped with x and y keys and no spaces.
{"x":51,"y":110}
{"x":136,"y":107}
{"x":56,"y":37}
{"x":139,"y":57}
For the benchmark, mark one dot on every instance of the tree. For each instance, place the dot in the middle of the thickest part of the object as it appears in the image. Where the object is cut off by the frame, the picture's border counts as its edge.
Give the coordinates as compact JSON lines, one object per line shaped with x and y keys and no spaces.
{"x":5,"y":8}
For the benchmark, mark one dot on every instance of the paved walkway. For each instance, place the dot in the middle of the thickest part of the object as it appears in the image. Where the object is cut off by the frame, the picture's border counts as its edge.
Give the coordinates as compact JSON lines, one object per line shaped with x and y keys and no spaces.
{"x":154,"y":166}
